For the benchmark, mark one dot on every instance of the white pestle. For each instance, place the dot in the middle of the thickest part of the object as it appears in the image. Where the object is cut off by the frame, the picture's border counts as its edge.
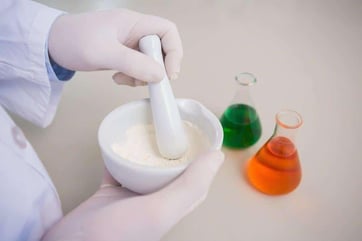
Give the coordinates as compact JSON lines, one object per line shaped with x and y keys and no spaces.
{"x":170,"y":134}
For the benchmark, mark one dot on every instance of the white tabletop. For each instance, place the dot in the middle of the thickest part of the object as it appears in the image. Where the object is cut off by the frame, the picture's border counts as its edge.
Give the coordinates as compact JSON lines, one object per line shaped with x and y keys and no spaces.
{"x":306,"y":55}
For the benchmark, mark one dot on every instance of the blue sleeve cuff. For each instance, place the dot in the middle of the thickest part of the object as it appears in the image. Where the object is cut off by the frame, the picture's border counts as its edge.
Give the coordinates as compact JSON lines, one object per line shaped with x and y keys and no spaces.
{"x":62,"y":73}
{"x":54,"y":70}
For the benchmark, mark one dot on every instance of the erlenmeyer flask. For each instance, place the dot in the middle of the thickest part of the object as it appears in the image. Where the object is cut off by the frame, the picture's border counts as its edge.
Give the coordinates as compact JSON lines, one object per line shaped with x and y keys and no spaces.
{"x":275,"y":168}
{"x":240,"y":121}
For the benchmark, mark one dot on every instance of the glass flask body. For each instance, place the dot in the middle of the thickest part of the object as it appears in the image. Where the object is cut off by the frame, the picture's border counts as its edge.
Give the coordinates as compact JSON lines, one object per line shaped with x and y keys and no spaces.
{"x":240,"y":121}
{"x":275,"y":169}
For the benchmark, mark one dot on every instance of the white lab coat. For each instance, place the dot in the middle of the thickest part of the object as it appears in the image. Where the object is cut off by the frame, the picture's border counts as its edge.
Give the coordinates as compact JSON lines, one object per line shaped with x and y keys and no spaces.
{"x":29,"y":203}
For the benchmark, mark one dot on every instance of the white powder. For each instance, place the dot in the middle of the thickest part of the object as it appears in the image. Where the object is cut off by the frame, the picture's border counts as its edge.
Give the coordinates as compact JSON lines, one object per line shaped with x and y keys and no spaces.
{"x":139,"y":145}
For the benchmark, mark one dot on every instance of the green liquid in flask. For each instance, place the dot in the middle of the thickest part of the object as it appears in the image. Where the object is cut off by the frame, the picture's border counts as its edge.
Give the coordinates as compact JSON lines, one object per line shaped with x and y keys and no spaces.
{"x":241,"y":126}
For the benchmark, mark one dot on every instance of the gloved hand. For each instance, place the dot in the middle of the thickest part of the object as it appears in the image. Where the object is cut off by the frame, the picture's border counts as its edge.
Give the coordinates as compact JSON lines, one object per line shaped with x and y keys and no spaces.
{"x":109,"y":40}
{"x":115,"y":213}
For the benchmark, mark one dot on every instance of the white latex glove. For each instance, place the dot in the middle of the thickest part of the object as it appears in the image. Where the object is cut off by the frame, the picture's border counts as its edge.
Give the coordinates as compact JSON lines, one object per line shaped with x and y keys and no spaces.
{"x":114,"y":213}
{"x":109,"y":40}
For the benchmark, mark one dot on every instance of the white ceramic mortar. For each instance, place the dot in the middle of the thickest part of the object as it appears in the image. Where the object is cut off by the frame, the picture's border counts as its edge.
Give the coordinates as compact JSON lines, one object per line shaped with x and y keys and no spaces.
{"x":146,"y":179}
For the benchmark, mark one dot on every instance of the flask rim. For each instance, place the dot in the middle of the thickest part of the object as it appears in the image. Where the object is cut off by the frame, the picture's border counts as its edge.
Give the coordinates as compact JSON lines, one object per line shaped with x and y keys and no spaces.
{"x":245,"y":79}
{"x":289,"y":119}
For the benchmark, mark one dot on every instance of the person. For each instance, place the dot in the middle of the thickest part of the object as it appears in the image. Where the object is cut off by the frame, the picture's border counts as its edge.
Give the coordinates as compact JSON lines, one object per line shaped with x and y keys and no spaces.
{"x":40,"y":48}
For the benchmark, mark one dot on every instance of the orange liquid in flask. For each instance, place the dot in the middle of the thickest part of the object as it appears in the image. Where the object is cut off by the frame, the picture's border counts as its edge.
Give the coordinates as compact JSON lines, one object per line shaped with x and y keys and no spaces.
{"x":275,"y":169}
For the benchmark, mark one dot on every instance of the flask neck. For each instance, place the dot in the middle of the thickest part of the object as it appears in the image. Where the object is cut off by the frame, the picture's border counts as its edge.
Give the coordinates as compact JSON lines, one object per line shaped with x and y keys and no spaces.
{"x":244,"y":82}
{"x":242,"y":95}
{"x":287,"y":124}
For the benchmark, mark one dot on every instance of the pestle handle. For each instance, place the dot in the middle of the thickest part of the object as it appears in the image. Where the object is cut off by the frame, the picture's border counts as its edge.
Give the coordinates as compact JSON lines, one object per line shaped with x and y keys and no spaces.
{"x":170,"y":134}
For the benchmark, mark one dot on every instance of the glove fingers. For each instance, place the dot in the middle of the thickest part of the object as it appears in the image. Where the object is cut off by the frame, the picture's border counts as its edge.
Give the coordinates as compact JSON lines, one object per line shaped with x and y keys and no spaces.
{"x":134,"y":64}
{"x":170,"y":39}
{"x":190,"y":189}
{"x":172,"y":48}
{"x":110,"y":189}
{"x":112,"y":194}
{"x":122,"y":79}
{"x":108,"y":179}
{"x":173,"y":64}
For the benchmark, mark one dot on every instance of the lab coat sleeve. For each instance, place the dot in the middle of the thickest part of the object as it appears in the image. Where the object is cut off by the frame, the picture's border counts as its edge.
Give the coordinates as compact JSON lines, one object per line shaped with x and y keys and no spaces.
{"x":26,"y":87}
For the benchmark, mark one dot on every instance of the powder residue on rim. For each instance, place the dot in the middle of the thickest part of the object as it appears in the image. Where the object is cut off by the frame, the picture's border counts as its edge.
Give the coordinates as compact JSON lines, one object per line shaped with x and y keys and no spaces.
{"x":139,"y":145}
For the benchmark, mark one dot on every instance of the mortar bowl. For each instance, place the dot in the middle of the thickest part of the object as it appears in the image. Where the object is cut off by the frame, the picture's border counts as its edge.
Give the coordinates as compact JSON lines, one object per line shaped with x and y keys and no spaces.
{"x":141,"y":178}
